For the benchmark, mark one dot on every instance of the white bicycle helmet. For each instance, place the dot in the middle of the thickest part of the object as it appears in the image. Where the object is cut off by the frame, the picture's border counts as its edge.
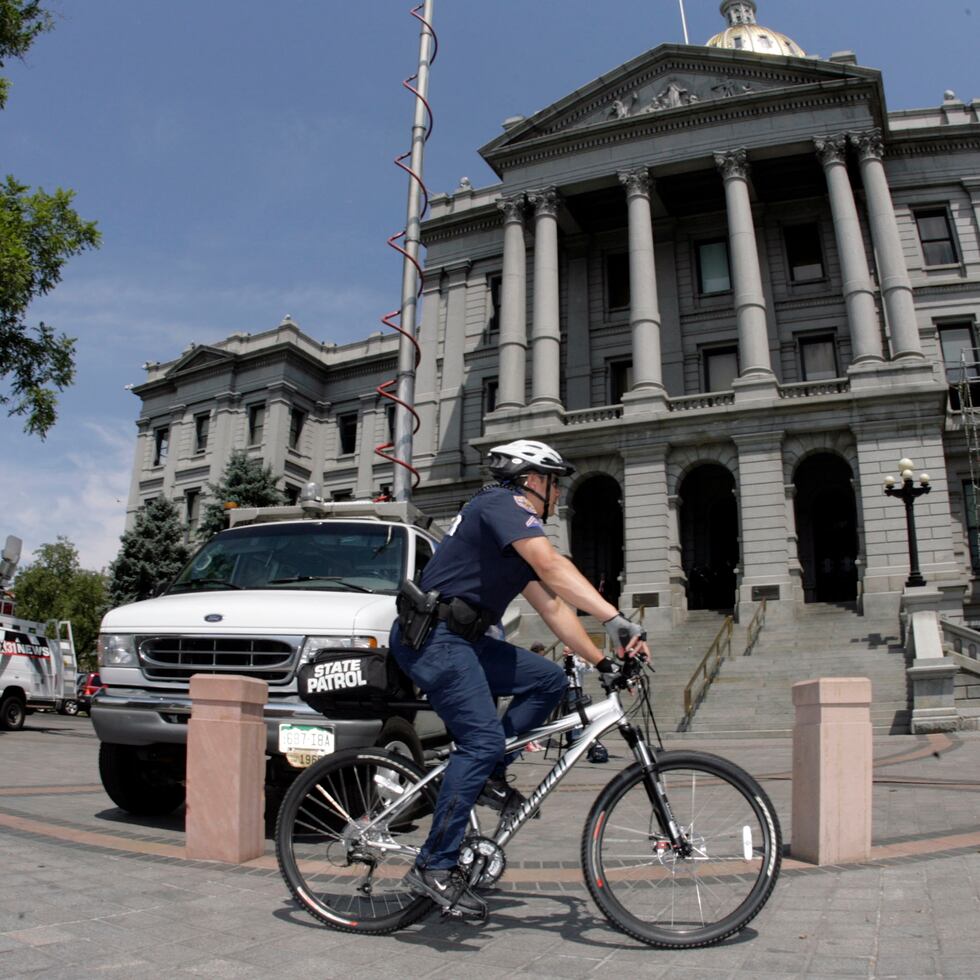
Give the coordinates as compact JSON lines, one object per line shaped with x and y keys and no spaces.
{"x":526,"y":456}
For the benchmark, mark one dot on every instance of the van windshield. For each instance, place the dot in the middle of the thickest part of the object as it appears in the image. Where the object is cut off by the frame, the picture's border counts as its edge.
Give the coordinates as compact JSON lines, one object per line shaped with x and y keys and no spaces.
{"x":318,"y":555}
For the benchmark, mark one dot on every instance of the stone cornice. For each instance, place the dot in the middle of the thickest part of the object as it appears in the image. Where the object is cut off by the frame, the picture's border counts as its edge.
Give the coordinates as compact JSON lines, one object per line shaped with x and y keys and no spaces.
{"x":690,"y":117}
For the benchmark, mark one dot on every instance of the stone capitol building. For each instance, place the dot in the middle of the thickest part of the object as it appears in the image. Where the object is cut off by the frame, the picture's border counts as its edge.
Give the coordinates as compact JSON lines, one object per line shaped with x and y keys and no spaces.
{"x":722,"y":280}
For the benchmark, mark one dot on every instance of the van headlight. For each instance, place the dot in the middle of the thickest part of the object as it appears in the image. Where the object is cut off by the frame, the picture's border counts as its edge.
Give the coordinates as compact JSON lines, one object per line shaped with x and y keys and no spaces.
{"x":314,"y":643}
{"x":116,"y":650}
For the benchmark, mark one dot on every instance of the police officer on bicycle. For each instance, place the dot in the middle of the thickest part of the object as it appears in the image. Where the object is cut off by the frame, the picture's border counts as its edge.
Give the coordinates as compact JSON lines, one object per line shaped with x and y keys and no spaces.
{"x":495,"y":549}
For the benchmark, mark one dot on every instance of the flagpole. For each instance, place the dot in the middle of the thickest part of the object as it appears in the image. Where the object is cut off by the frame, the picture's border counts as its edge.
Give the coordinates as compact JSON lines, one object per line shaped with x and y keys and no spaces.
{"x":683,"y":21}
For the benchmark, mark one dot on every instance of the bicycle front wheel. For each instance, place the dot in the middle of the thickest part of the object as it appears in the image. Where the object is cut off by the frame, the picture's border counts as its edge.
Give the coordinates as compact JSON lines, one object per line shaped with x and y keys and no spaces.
{"x":699,"y":894}
{"x":343,"y":872}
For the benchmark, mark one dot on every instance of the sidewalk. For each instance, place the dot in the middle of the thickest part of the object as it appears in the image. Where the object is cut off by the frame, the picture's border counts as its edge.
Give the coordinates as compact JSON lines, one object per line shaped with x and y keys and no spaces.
{"x":88,"y":891}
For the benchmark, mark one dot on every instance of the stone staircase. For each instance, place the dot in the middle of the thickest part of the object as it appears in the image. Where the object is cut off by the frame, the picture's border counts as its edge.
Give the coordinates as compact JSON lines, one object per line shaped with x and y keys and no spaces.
{"x":752,"y":695}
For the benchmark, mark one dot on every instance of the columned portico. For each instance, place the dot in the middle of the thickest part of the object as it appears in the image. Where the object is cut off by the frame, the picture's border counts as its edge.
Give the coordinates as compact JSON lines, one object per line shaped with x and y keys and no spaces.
{"x":644,"y":306}
{"x":513,"y":307}
{"x":862,"y":316}
{"x":545,"y":331}
{"x":425,"y":378}
{"x":896,"y":288}
{"x":750,"y":303}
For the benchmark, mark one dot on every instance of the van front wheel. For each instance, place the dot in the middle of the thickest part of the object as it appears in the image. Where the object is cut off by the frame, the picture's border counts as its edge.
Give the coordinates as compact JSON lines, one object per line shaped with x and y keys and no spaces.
{"x":139,"y":783}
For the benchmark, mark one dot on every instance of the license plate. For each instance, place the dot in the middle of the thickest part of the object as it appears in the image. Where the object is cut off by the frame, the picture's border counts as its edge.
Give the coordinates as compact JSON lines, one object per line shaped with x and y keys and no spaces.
{"x":304,"y":744}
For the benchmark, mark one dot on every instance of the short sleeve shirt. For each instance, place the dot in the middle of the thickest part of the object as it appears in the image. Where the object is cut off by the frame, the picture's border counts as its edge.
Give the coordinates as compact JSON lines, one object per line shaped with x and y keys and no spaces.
{"x":476,"y":560}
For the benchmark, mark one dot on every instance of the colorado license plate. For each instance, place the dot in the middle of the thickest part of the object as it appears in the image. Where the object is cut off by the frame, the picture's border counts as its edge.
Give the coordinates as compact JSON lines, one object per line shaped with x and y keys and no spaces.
{"x":304,"y":744}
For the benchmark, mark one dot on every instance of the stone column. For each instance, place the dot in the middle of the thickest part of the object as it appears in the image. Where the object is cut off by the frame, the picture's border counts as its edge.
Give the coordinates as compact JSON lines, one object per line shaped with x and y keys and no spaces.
{"x":513,"y":307}
{"x":278,"y":407}
{"x":862,"y":316}
{"x":678,"y":580}
{"x":896,"y":287}
{"x":141,"y":466}
{"x":425,"y":378}
{"x":451,"y":385}
{"x":762,"y":508}
{"x":750,"y":303}
{"x":175,"y":435}
{"x":644,"y":307}
{"x":221,"y":440}
{"x":366,"y":441}
{"x":545,"y":335}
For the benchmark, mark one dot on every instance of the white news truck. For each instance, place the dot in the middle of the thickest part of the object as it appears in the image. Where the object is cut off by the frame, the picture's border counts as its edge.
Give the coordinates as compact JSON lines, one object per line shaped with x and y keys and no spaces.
{"x":260,"y":598}
{"x":36,"y":670}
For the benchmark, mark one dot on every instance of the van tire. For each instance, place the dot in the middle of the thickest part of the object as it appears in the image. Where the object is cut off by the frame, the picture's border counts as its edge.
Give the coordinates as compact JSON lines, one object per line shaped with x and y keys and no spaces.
{"x":399,"y":736}
{"x":13,"y":711}
{"x":137,"y":784}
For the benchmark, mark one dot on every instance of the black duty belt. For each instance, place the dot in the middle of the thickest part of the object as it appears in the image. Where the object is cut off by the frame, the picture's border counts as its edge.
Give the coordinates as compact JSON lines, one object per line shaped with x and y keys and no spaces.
{"x":469,"y":622}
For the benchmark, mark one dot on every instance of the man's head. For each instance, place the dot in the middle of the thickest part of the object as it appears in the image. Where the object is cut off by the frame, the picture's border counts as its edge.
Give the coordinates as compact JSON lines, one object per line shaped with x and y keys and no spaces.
{"x":533,"y":465}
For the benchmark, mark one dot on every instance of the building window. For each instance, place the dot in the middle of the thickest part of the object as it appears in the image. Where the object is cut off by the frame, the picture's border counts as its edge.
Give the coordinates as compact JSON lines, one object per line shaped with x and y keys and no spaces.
{"x":161,"y":445}
{"x":347,"y":427}
{"x":959,"y":352}
{"x":291,"y":493}
{"x":256,"y":424}
{"x":818,"y":358}
{"x":972,"y":524}
{"x":620,"y":374}
{"x":342,"y":495}
{"x":935,"y":236}
{"x":617,"y":281}
{"x":297,"y":419}
{"x":720,"y":368}
{"x":803,"y":253}
{"x":493,"y":288}
{"x":390,"y":416}
{"x":713,"y":272}
{"x":192,"y":510}
{"x":202,"y":426}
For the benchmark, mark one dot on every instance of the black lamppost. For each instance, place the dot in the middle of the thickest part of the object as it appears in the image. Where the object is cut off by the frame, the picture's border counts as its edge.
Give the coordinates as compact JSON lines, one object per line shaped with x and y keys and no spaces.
{"x":907,"y":493}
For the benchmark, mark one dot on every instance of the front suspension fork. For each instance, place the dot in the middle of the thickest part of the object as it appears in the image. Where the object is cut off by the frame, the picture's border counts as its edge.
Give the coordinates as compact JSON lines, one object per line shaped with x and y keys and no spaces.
{"x":646,"y":755}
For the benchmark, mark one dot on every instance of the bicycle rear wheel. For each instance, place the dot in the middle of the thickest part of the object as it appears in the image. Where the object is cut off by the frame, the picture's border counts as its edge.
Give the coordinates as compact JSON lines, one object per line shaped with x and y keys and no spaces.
{"x":668,"y":898}
{"x":350,"y":879}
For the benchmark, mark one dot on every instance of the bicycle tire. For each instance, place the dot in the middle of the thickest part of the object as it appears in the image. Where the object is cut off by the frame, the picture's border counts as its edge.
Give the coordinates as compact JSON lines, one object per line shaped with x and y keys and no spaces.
{"x":650,"y":892}
{"x":314,"y":840}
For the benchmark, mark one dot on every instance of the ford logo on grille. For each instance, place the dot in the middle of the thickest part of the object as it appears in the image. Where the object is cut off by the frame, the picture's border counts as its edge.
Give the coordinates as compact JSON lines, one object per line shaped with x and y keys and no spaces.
{"x":213,"y":618}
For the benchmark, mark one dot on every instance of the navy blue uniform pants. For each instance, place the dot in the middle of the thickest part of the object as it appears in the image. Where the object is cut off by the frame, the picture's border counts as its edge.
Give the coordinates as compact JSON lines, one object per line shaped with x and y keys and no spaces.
{"x":461,"y":679}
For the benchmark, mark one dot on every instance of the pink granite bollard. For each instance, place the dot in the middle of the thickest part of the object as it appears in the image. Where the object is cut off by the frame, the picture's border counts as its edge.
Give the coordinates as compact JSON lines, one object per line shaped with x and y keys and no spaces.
{"x":226,"y":769}
{"x":832,"y":760}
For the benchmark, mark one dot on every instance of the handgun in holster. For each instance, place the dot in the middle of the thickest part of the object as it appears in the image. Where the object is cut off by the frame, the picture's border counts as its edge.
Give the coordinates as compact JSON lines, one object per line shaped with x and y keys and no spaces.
{"x":417,"y":613}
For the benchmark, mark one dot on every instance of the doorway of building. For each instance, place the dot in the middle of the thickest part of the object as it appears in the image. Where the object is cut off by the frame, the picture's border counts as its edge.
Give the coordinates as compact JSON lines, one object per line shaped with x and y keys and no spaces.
{"x":709,"y":537}
{"x":596,"y":533}
{"x":826,"y":527}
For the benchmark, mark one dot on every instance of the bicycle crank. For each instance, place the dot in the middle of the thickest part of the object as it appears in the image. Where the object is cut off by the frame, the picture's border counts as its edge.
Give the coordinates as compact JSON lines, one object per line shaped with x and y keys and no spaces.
{"x":482,"y":862}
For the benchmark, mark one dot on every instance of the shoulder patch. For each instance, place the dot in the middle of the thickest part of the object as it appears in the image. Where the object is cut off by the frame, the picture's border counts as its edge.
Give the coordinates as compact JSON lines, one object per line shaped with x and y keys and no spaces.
{"x":533,"y":522}
{"x":524,"y":503}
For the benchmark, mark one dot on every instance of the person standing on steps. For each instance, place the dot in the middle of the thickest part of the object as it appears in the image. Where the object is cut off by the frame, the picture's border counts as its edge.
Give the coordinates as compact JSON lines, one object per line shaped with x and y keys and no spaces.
{"x":495,"y":549}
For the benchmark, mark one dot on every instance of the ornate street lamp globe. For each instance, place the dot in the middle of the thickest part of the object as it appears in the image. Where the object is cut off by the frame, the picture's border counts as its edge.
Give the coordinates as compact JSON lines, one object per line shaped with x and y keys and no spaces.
{"x":744,"y":34}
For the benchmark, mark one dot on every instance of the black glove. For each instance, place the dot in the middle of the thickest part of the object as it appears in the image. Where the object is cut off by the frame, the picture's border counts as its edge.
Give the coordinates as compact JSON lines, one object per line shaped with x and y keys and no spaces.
{"x":621,"y":630}
{"x":607,"y":666}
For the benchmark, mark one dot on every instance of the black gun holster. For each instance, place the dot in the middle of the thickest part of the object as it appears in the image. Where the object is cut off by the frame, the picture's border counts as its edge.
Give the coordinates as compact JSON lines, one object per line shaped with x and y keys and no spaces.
{"x":418,"y":613}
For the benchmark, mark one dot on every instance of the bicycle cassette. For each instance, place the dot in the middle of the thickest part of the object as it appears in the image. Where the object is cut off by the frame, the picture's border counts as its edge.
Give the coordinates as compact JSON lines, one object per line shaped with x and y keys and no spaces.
{"x":482,"y":862}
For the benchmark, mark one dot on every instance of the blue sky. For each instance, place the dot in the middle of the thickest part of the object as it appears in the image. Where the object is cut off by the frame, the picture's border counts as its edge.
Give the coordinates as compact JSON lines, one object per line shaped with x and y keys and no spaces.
{"x":237,"y":156}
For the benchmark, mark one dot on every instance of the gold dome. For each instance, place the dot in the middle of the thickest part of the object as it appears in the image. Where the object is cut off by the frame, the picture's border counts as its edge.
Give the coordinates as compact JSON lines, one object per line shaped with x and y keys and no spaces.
{"x":744,"y":34}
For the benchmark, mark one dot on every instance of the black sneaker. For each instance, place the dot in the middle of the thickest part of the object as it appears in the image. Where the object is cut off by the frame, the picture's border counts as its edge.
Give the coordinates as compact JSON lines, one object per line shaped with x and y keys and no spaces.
{"x":448,"y":889}
{"x":502,"y":797}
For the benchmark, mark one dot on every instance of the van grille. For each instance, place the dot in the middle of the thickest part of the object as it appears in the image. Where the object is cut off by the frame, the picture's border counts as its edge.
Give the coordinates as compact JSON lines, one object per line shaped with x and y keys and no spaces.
{"x":169,"y":658}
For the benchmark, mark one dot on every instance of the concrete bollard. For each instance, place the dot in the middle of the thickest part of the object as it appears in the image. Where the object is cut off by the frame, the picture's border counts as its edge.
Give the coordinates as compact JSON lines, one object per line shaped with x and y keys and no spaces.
{"x":226,"y":769}
{"x":832,"y":764}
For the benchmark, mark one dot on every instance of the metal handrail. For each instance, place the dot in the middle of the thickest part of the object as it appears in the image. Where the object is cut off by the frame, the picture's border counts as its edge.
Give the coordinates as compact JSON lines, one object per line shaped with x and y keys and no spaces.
{"x":708,"y":668}
{"x":755,"y":628}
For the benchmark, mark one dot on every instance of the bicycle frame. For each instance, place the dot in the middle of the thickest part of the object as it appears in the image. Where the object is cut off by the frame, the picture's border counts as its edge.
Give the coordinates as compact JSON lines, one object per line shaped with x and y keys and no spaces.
{"x":601,"y":717}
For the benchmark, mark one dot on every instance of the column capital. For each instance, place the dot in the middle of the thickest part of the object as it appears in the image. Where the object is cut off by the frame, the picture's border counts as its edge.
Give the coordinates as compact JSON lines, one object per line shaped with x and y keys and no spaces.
{"x":636,"y":182}
{"x":831,"y":149}
{"x":544,"y":201}
{"x":512,"y":208}
{"x":733,"y":163}
{"x":869,"y":144}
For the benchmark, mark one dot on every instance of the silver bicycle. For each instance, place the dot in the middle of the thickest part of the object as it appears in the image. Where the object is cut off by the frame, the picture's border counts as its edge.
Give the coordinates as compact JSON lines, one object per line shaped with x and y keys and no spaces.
{"x":680,"y":849}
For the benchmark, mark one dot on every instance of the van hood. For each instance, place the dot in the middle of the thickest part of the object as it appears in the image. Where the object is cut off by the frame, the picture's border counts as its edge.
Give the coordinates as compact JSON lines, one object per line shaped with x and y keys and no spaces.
{"x":278,"y":611}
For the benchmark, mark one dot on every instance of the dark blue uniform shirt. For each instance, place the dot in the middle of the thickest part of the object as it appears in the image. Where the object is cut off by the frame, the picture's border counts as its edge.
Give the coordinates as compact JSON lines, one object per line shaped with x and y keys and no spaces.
{"x":475,"y":561}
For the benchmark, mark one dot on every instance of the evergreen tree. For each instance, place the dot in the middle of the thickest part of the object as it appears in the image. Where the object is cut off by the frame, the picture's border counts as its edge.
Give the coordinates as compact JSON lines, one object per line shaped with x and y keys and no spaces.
{"x":152,"y":554}
{"x":246,"y":483}
{"x":54,"y":587}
